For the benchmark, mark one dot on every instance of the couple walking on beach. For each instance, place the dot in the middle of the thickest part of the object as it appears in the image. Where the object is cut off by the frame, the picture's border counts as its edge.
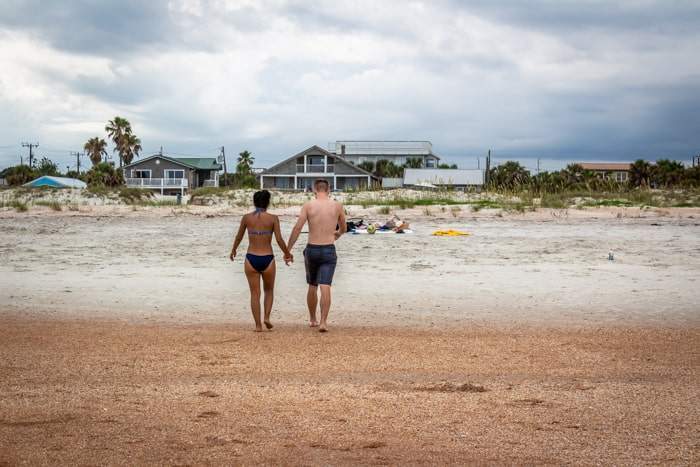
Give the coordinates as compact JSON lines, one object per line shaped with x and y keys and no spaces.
{"x":326,"y":220}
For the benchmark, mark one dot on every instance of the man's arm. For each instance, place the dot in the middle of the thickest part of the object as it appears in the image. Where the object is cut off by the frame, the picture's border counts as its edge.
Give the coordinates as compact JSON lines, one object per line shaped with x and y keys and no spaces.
{"x":239,"y":238}
{"x":280,"y":241}
{"x":297,"y":228}
{"x":341,"y":222}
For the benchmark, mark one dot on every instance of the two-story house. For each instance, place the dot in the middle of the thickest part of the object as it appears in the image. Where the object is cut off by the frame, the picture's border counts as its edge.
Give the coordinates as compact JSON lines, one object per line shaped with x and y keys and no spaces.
{"x":299,"y":171}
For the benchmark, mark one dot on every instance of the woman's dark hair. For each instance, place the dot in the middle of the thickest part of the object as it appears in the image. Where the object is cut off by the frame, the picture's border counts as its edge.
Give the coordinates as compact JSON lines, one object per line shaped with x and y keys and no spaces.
{"x":261,"y":199}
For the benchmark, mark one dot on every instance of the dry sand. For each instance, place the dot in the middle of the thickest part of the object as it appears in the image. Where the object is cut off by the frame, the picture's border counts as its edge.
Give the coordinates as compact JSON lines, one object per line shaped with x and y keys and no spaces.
{"x":125,"y":339}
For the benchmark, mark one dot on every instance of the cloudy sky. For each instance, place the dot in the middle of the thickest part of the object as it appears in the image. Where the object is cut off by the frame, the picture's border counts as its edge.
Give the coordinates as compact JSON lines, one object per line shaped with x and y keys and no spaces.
{"x":593,"y":80}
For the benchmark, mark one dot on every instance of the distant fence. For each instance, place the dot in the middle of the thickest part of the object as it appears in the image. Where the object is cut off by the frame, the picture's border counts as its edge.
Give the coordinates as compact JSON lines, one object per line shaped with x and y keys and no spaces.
{"x":392,"y":182}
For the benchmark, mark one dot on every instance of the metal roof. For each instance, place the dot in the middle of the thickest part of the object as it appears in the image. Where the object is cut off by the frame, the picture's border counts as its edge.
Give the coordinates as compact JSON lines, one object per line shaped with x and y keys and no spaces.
{"x":443,"y":176}
{"x":56,"y":182}
{"x":201,"y":163}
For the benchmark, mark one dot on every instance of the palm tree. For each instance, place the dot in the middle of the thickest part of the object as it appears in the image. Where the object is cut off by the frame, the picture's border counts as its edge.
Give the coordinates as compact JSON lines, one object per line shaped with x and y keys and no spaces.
{"x":414,"y":163}
{"x":131,"y":146}
{"x":367,"y":166}
{"x":510,"y":175}
{"x":117,"y":129}
{"x":386,"y":168}
{"x":245,"y":163}
{"x":640,"y":173}
{"x":96,"y":148}
{"x":668,"y":173}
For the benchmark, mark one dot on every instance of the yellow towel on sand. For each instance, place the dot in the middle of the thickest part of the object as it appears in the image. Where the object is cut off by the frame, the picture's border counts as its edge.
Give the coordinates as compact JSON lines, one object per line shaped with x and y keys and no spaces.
{"x":450,"y":233}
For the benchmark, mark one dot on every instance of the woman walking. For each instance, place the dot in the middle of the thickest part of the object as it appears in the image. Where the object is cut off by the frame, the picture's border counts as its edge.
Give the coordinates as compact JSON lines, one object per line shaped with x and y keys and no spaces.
{"x":259,"y":260}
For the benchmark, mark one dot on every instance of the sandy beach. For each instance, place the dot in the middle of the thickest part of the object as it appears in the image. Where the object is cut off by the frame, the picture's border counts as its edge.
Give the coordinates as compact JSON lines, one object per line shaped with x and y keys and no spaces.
{"x":126,"y":338}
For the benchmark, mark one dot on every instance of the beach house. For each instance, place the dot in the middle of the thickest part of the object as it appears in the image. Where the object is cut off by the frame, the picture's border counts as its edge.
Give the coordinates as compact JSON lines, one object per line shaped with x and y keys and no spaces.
{"x":299,"y":171}
{"x":398,"y":152}
{"x":172,"y":175}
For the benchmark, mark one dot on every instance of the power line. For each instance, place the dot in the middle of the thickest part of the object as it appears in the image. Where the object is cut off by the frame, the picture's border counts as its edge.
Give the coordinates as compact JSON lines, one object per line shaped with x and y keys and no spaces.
{"x":31,"y":146}
{"x":77,"y":155}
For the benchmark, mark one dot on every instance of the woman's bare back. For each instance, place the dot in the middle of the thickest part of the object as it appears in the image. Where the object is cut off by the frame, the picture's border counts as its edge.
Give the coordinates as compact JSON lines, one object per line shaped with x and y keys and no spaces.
{"x":261,"y":227}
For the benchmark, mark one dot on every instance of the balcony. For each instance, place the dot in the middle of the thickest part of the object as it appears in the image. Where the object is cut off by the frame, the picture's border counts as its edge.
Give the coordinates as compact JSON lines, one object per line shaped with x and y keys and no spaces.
{"x":315,"y":168}
{"x":160,"y":183}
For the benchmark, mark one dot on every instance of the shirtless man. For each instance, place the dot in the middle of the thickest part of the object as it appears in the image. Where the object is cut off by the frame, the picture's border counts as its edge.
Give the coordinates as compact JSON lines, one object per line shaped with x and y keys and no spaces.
{"x":326,"y":220}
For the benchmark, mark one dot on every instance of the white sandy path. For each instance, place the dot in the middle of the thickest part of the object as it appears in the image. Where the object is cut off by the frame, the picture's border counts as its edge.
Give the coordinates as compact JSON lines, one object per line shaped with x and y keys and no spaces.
{"x":512,"y":270}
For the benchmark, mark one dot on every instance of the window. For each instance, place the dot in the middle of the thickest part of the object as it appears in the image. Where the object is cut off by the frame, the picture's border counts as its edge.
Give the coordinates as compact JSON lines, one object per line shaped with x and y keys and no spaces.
{"x":621,"y":176}
{"x":172,"y":173}
{"x":141,"y":173}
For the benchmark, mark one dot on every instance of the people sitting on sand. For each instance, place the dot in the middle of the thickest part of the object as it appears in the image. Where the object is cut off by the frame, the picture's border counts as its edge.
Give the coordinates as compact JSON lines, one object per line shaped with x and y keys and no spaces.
{"x":259,"y":260}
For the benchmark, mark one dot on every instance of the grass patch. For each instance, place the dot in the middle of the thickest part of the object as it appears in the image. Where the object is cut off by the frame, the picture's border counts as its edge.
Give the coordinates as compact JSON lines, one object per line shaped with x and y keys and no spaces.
{"x":609,"y":202}
{"x":19,"y":206}
{"x":54,"y":205}
{"x":134,"y":195}
{"x":210,"y":191}
{"x":384,"y":210}
{"x":555,"y":201}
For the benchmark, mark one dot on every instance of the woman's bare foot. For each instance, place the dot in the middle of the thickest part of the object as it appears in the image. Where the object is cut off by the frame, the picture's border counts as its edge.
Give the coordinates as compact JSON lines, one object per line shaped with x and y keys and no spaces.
{"x":313,"y":324}
{"x":258,"y":328}
{"x":322,"y":328}
{"x":268,"y":324}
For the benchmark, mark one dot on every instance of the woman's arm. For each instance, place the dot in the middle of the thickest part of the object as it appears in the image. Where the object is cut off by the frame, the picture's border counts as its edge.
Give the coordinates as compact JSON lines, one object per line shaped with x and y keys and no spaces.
{"x":280,"y":241}
{"x":239,"y":238}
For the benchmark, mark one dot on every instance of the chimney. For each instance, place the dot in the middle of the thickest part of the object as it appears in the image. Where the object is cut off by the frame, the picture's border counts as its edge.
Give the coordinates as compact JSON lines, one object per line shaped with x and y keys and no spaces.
{"x":342,"y":150}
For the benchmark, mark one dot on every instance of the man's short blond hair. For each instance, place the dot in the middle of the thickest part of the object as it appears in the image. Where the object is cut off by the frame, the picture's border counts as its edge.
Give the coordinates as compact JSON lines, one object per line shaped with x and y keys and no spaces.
{"x":322,"y":184}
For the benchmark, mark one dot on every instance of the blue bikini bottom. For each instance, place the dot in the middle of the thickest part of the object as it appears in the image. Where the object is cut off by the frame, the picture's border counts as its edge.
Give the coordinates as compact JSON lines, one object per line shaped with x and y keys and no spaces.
{"x":259,"y":262}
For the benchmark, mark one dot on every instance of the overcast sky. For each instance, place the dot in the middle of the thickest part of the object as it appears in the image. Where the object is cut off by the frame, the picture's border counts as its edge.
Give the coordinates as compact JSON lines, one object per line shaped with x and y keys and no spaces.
{"x":596,"y":80}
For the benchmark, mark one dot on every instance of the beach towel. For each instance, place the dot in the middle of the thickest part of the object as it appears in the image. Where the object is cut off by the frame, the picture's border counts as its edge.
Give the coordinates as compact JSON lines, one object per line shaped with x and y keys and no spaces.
{"x":450,"y":233}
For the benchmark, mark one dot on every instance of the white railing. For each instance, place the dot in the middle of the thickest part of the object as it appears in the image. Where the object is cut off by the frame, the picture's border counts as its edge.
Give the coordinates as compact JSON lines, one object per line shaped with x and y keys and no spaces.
{"x":156,"y":182}
{"x":214,"y":183}
{"x":315,"y":168}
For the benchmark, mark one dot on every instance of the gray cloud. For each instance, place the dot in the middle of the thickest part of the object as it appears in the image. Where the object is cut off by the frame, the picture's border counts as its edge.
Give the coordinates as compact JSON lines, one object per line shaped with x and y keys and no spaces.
{"x":589,"y":80}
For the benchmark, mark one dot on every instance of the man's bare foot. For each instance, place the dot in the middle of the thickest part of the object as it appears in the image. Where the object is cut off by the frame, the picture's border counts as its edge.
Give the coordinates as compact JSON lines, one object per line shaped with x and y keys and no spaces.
{"x":323,"y":328}
{"x":313,"y":324}
{"x":258,"y":328}
{"x":268,"y":325}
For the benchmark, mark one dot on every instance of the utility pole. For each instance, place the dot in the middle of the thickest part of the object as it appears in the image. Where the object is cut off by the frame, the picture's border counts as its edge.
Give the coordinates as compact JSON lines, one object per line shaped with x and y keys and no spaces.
{"x":223,"y":157}
{"x":77,"y":155}
{"x":478,"y":163}
{"x":31,"y":147}
{"x":488,"y":168}
{"x":538,"y":166}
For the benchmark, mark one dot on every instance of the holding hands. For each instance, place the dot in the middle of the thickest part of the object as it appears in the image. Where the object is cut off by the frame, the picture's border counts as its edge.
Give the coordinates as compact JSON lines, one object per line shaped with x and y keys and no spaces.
{"x":288,"y":258}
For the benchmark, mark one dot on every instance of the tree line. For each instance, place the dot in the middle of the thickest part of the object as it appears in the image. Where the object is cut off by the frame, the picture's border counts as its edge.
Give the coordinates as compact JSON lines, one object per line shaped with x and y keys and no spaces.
{"x":665,"y":173}
{"x":386,"y":168}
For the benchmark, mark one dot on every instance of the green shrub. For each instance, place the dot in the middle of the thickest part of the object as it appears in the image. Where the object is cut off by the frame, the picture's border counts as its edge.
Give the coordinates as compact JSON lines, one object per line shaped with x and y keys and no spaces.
{"x":19,"y":206}
{"x":19,"y":175}
{"x":104,"y":174}
{"x":134,"y":195}
{"x":54,"y":205}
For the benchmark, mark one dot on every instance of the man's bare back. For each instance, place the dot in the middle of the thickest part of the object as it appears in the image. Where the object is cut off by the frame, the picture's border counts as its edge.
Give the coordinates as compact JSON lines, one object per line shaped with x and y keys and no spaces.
{"x":323,"y":216}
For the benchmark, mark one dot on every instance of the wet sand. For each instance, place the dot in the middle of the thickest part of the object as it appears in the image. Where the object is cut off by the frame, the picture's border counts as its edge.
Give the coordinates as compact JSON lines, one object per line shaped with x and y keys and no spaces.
{"x":95,"y":392}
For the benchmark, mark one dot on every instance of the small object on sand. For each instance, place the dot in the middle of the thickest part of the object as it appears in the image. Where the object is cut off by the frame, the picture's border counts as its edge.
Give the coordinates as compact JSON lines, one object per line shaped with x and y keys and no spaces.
{"x":611,"y":257}
{"x":450,"y":233}
{"x":371,"y":229}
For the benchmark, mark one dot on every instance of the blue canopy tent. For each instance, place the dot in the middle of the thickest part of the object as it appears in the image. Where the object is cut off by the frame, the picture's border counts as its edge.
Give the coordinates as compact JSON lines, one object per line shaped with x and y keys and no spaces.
{"x":56,"y":182}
